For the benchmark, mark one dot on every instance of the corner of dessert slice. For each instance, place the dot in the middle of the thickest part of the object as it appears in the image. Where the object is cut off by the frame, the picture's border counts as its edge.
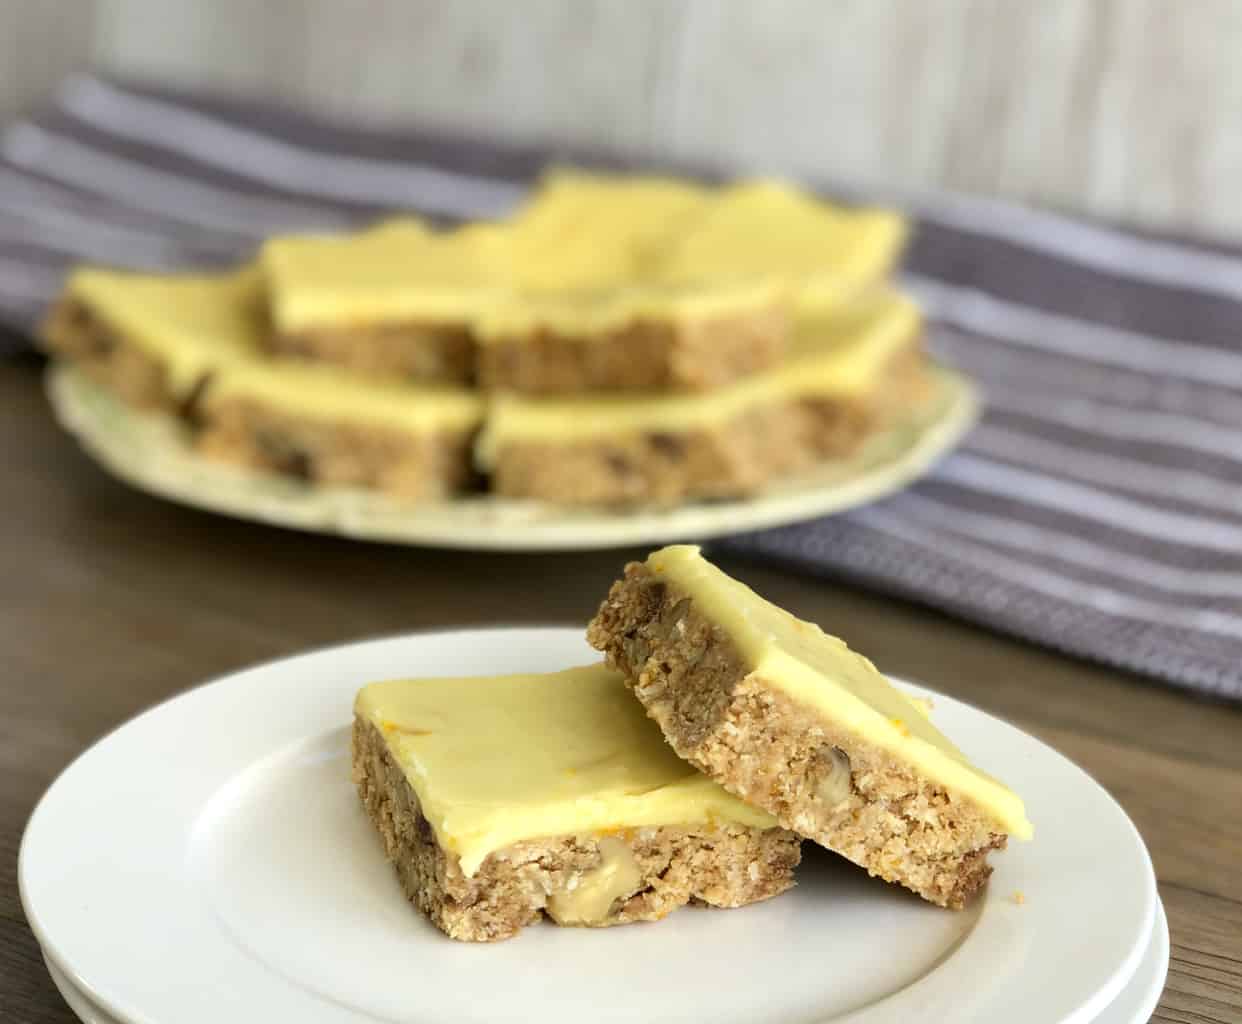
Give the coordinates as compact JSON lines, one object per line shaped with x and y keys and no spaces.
{"x":792,"y":721}
{"x":396,"y":299}
{"x":154,"y":339}
{"x":502,"y":799}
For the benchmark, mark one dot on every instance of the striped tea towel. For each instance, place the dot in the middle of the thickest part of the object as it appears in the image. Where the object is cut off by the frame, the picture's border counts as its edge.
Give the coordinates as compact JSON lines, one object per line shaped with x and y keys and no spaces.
{"x":1097,"y":509}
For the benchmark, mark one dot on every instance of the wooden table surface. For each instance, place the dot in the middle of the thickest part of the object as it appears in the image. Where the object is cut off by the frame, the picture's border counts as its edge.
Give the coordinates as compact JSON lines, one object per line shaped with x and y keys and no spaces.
{"x":113,"y":600}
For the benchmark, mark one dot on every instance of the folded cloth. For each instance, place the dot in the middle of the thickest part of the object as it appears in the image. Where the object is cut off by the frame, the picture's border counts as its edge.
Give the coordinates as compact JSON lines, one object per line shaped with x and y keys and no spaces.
{"x":1097,"y":508}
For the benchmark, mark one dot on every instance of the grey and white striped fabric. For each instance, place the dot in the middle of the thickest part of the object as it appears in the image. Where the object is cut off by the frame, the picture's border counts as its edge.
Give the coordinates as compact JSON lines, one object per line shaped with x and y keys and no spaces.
{"x":1097,"y":509}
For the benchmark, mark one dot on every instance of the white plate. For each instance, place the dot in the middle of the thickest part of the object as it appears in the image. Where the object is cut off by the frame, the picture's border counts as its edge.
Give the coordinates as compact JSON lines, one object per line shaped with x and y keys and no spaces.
{"x":79,"y":1002}
{"x":209,"y":861}
{"x":150,"y":452}
{"x":1142,"y":992}
{"x":1133,"y":1006}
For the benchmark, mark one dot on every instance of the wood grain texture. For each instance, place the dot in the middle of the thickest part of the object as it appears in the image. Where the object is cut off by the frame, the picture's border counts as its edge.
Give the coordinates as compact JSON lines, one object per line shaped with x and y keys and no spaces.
{"x":112,"y":601}
{"x":40,"y":43}
{"x":1123,"y":108}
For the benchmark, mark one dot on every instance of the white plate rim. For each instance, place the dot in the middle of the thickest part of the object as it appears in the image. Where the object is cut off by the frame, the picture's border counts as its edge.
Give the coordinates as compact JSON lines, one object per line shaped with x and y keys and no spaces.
{"x":1141,"y":994}
{"x":77,"y":1000}
{"x":1087,"y":1010}
{"x":145,"y":451}
{"x":1151,"y":975}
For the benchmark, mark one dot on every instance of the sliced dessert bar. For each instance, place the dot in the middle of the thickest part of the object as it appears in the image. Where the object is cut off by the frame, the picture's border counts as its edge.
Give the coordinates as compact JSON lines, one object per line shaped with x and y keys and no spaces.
{"x":636,"y":337}
{"x":850,"y":373}
{"x":794,"y":722}
{"x":193,"y":346}
{"x":398,"y":299}
{"x":590,"y":232}
{"x":584,"y":315}
{"x":502,"y":799}
{"x":154,"y":339}
{"x":769,"y":230}
{"x":336,"y":428}
{"x":647,"y":284}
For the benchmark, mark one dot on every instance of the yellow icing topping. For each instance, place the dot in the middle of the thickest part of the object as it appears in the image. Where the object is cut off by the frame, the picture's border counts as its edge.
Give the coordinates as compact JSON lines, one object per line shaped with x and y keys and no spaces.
{"x":842,"y":354}
{"x":196,"y":325}
{"x":401,"y":270}
{"x":495,"y":760}
{"x":190,"y":324}
{"x":583,"y":315}
{"x":767,"y":230}
{"x":595,"y":253}
{"x":586,"y":254}
{"x":821,"y":671}
{"x":332,"y":395}
{"x":589,"y":232}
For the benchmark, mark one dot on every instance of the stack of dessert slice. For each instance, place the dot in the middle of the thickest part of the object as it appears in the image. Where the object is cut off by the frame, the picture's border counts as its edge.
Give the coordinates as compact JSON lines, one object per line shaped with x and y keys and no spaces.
{"x":741,"y":340}
{"x":194,"y":347}
{"x":503,"y":799}
{"x":616,"y":341}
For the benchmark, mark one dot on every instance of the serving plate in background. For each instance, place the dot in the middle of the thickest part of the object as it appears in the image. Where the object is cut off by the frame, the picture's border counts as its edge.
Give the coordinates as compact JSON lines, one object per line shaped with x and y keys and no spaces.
{"x":151,"y":452}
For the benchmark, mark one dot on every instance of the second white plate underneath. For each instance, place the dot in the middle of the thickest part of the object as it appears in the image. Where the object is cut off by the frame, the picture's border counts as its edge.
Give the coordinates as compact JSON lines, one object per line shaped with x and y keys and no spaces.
{"x":231,"y":874}
{"x":1134,"y":1005}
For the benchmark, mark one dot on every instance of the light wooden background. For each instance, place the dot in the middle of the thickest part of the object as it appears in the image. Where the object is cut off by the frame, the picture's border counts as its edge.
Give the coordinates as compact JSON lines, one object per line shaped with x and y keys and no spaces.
{"x":1127,"y":108}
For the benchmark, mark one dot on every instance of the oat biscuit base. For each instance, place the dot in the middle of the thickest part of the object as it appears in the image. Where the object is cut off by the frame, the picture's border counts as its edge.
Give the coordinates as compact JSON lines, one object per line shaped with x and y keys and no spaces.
{"x":592,"y":880}
{"x":505,"y":798}
{"x":849,"y":376}
{"x":855,"y":780}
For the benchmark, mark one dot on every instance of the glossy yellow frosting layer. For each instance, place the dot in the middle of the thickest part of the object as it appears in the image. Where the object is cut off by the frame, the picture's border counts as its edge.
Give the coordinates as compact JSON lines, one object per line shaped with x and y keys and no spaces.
{"x":822,"y":672}
{"x":582,"y":251}
{"x":190,"y":324}
{"x":591,"y":232}
{"x":399,"y":271}
{"x":595,"y":253}
{"x":767,"y":230}
{"x":589,"y":253}
{"x":496,"y":760}
{"x":587,"y":315}
{"x":843,"y":354}
{"x":196,"y":325}
{"x":331,"y":395}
